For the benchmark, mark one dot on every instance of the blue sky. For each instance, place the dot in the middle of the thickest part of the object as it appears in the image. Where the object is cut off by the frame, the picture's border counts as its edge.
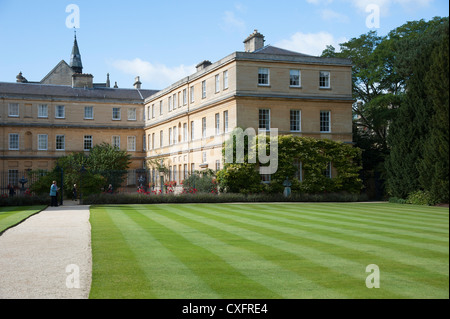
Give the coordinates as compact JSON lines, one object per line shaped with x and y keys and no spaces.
{"x":162,"y":41}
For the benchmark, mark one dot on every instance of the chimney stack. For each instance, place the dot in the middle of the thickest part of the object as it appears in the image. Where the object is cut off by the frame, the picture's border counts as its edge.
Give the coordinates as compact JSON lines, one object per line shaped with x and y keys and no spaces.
{"x":203,"y":65}
{"x":254,"y":41}
{"x":137,"y":83}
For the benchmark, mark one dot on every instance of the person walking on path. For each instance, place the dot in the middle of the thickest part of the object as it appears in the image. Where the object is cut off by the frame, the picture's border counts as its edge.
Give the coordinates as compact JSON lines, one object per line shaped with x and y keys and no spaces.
{"x":54,"y":194}
{"x":74,"y":192}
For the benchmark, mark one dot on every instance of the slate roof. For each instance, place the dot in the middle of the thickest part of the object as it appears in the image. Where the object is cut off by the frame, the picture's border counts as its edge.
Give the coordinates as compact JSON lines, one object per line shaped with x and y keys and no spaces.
{"x":269,"y":49}
{"x":63,"y":91}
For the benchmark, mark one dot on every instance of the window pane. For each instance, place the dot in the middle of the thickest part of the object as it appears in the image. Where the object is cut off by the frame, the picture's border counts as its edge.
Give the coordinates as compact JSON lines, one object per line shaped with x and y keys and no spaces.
{"x":131,"y":143}
{"x":14,"y":141}
{"x":116,"y":113}
{"x":225,"y":121}
{"x":42,"y":142}
{"x":294,"y":78}
{"x":60,"y":112}
{"x":324,"y":121}
{"x":87,"y":142}
{"x":263,"y":76}
{"x":13,"y":109}
{"x":295,"y":120}
{"x":264,"y":119}
{"x":88,"y":112}
{"x":60,"y":142}
{"x":324,"y":79}
{"x":42,"y":110}
{"x":132,"y":114}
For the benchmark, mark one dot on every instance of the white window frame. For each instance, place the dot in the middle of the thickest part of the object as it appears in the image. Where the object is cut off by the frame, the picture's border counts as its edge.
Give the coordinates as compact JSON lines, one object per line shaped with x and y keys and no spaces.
{"x":42,"y":111}
{"x":204,"y":89}
{"x":58,"y":109}
{"x":204,"y":157}
{"x":322,"y":123}
{"x":298,"y":117}
{"x":299,"y":78}
{"x":265,"y":128}
{"x":225,"y":121}
{"x":170,"y":136}
{"x":131,"y":114}
{"x":185,"y":132}
{"x":217,"y":81}
{"x":115,"y":141}
{"x":13,"y":110}
{"x":60,"y":142}
{"x":161,"y":138}
{"x":192,"y":93}
{"x":161,"y":107}
{"x":88,"y":139}
{"x":116,"y":114}
{"x":324,"y":79}
{"x":42,"y":142}
{"x":86,"y":116}
{"x":192,"y":131}
{"x":131,"y":143}
{"x":204,"y":127}
{"x":184,"y":97}
{"x":169,"y":101}
{"x":13,"y":140}
{"x":225,"y":79}
{"x":263,"y":77}
{"x":217,"y":123}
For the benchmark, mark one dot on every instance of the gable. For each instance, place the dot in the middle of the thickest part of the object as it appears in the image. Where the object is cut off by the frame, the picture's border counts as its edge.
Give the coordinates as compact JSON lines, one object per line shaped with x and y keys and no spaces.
{"x":60,"y":75}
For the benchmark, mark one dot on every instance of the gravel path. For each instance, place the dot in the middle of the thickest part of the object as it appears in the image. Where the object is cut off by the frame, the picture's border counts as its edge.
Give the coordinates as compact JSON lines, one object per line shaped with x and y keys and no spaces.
{"x":48,"y":256}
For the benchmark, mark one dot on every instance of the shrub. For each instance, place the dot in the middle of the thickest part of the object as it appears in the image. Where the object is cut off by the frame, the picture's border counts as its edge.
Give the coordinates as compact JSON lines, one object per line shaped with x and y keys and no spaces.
{"x":150,"y":198}
{"x":420,"y":198}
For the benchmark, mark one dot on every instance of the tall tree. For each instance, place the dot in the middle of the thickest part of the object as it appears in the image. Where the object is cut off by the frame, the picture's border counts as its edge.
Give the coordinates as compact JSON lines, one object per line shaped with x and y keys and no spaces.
{"x":410,"y":133}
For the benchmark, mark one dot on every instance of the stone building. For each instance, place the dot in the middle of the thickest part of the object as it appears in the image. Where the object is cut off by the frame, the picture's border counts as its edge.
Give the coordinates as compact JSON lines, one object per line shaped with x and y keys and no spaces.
{"x":185,"y":124}
{"x":264,"y":87}
{"x":63,"y":113}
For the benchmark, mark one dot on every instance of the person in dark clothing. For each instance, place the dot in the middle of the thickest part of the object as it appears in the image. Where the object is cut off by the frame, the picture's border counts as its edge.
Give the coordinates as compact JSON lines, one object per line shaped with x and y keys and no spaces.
{"x":74,"y":192}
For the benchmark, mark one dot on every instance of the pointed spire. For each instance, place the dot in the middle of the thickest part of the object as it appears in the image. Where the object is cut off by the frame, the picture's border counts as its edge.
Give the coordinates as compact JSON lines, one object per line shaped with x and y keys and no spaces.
{"x":75,"y":58}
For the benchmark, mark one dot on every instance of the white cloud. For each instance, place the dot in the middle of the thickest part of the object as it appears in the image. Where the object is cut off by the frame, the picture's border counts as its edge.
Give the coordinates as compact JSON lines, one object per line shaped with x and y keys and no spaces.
{"x":154,"y":75}
{"x":310,"y":43}
{"x":231,"y":21}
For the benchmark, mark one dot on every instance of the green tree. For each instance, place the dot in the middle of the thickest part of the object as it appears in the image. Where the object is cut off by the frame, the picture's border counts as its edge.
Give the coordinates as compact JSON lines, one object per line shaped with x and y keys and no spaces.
{"x":417,"y":158}
{"x":103,"y":166}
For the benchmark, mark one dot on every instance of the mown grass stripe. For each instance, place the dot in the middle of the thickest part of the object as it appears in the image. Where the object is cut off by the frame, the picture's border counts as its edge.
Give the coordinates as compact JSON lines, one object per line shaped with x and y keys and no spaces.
{"x":271,"y":267}
{"x":391,"y":212}
{"x":386,"y":240}
{"x":325,"y":255}
{"x":115,"y":274}
{"x":169,"y":278}
{"x":364,"y":213}
{"x":224,"y":279}
{"x":334,"y":237}
{"x":339,"y":217}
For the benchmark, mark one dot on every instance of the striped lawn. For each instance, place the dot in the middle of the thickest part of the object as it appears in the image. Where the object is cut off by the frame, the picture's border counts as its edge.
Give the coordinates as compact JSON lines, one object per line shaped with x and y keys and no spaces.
{"x":10,"y":216}
{"x":269,"y":251}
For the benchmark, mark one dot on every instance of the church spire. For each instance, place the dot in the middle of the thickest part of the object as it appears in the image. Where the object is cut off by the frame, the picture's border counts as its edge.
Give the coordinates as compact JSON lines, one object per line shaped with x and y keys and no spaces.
{"x":75,"y":58}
